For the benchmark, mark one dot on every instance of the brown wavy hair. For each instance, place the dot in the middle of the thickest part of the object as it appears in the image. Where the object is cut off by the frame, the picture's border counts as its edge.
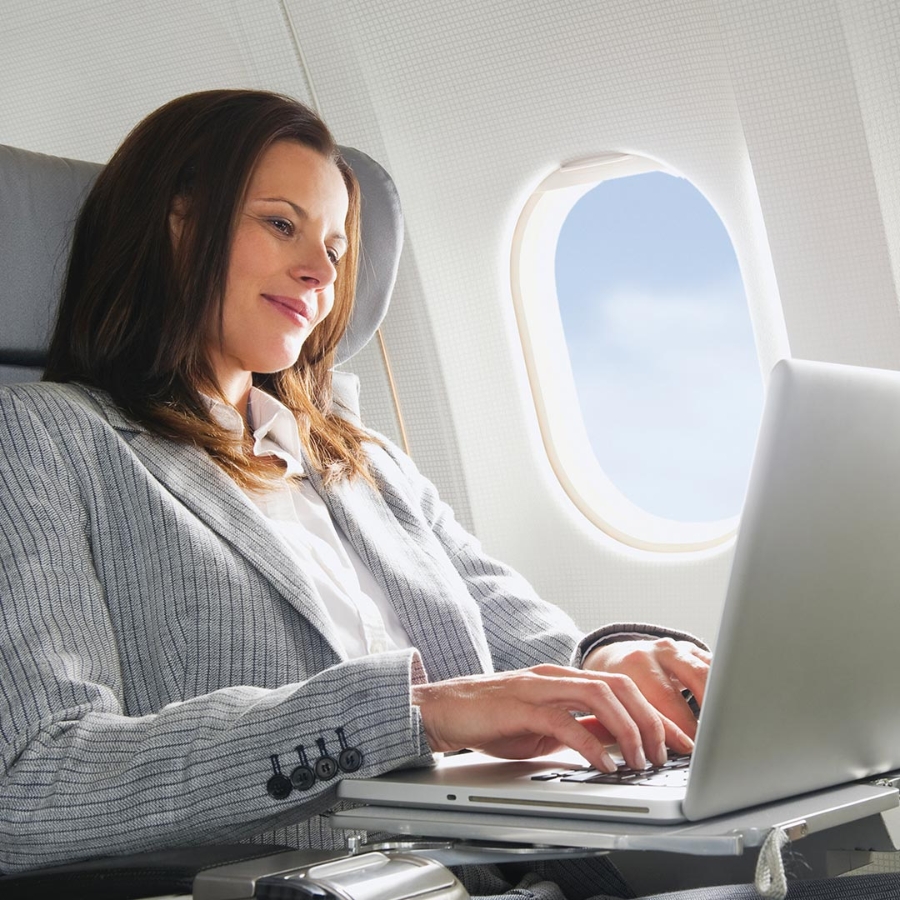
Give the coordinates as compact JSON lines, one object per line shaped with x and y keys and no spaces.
{"x":130,"y":312}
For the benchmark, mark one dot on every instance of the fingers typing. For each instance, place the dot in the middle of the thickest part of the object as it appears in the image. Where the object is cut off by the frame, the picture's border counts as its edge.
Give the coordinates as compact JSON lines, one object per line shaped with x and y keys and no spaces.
{"x":530,"y":712}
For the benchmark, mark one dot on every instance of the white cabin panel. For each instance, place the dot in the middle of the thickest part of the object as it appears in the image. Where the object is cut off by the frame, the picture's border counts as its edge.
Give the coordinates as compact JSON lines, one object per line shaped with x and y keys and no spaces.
{"x":75,"y":77}
{"x":872,"y":28}
{"x":795,"y":88}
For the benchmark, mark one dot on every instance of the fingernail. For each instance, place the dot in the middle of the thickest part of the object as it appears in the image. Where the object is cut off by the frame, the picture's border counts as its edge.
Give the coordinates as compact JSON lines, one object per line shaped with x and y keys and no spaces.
{"x":607,"y":764}
{"x":661,"y":755}
{"x":641,"y":759}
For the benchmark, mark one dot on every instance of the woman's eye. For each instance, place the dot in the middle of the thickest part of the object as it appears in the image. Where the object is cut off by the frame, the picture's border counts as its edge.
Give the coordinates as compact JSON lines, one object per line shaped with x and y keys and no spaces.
{"x":282,"y":225}
{"x":334,"y":256}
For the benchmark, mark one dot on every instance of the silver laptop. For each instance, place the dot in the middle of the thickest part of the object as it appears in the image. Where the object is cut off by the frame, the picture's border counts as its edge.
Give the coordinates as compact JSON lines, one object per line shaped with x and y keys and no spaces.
{"x":804,"y":690}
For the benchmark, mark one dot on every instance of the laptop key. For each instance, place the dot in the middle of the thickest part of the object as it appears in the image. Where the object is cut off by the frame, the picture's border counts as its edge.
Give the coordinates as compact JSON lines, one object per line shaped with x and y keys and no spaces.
{"x":588,"y":775}
{"x":677,"y":762}
{"x":594,"y":777}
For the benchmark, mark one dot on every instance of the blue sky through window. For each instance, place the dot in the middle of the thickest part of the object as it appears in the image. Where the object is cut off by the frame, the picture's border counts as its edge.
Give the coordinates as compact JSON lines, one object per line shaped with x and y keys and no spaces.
{"x":659,"y":336}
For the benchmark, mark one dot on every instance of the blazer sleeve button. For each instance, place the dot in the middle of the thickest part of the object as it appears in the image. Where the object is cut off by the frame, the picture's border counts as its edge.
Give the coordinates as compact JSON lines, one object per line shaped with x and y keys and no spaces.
{"x":350,"y":759}
{"x":326,"y":767}
{"x":303,"y":778}
{"x":279,"y":787}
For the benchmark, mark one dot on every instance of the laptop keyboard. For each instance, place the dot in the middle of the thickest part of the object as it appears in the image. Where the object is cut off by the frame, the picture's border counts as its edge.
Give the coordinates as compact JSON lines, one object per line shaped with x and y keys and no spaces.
{"x":674,"y":773}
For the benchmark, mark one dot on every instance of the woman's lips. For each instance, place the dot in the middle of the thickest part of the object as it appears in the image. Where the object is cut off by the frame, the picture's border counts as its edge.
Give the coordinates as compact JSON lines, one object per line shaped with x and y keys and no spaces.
{"x":296,"y":310}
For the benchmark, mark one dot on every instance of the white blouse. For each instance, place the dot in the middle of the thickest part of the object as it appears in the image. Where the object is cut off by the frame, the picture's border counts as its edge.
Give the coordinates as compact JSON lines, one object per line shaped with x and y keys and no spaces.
{"x":361,"y":611}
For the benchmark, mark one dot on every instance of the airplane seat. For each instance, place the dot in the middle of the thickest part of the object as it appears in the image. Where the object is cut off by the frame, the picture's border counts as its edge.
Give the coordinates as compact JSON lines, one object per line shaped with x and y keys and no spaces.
{"x":40,"y":197}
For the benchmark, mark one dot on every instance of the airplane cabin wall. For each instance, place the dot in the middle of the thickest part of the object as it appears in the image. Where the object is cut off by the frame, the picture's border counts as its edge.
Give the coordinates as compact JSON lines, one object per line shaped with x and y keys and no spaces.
{"x":784,"y":115}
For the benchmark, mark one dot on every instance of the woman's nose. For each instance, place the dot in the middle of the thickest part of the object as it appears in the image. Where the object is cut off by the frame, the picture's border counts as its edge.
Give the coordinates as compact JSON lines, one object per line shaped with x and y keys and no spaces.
{"x":316,"y":270}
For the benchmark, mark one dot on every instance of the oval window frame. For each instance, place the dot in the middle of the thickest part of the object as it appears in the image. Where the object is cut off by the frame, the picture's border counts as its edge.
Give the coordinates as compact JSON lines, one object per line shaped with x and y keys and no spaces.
{"x":547,"y":361}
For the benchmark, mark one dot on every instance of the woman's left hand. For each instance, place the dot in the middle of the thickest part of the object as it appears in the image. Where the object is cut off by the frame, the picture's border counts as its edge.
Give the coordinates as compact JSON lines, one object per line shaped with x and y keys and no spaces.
{"x":661,"y":669}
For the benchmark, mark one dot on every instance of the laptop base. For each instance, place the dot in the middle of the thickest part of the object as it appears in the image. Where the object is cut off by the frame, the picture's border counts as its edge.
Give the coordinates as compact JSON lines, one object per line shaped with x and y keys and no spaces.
{"x":727,"y":835}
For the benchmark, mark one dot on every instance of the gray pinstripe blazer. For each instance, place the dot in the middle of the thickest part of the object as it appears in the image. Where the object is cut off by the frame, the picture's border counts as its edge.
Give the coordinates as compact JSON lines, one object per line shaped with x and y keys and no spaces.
{"x":158,"y":647}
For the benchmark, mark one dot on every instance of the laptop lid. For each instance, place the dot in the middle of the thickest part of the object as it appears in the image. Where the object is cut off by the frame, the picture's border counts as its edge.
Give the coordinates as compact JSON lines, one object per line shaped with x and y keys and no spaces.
{"x":803,"y":688}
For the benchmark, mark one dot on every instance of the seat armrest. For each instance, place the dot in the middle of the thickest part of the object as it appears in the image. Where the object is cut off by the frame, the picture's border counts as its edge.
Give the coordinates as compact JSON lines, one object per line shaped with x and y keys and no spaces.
{"x":241,"y":872}
{"x":299,"y":876}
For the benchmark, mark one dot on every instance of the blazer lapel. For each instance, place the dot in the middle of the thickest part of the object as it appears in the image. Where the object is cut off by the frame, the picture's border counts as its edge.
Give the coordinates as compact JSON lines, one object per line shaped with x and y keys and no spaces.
{"x":439,"y":616}
{"x":217,"y":501}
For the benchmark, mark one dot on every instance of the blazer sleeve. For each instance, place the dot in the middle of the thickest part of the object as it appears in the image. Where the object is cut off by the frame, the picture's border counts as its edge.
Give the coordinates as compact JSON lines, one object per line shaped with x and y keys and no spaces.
{"x":79,"y":776}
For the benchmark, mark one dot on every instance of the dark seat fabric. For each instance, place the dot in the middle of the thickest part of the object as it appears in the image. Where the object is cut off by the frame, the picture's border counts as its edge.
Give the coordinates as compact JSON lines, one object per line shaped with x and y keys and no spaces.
{"x":129,"y":877}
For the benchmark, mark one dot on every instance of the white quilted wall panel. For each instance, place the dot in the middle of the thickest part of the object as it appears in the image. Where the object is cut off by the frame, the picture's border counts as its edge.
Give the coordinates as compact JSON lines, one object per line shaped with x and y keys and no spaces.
{"x":76,"y":76}
{"x":873,"y":36}
{"x":800,"y":110}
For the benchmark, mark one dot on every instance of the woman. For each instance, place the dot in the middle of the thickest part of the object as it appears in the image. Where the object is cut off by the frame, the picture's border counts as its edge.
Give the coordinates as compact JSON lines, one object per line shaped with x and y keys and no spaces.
{"x":220,"y":594}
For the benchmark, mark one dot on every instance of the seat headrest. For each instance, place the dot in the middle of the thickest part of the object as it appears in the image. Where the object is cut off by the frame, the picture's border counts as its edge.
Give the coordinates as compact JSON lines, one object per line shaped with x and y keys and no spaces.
{"x":40,"y":197}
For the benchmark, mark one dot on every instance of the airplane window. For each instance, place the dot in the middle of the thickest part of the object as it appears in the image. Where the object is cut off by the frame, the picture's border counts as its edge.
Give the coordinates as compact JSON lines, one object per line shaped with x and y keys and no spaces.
{"x":646,"y":376}
{"x":662,"y":351}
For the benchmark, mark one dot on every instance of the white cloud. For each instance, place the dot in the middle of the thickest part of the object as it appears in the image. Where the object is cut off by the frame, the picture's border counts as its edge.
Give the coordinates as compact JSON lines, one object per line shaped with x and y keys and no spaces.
{"x":643,"y":321}
{"x":671,"y":392}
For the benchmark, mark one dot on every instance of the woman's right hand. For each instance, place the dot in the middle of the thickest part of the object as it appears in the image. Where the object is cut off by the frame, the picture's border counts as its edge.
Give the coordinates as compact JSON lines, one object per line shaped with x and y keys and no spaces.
{"x":528,"y":712}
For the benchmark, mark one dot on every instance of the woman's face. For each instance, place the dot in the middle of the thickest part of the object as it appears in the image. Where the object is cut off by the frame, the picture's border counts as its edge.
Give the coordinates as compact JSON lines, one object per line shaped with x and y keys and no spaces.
{"x":280,"y":282}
